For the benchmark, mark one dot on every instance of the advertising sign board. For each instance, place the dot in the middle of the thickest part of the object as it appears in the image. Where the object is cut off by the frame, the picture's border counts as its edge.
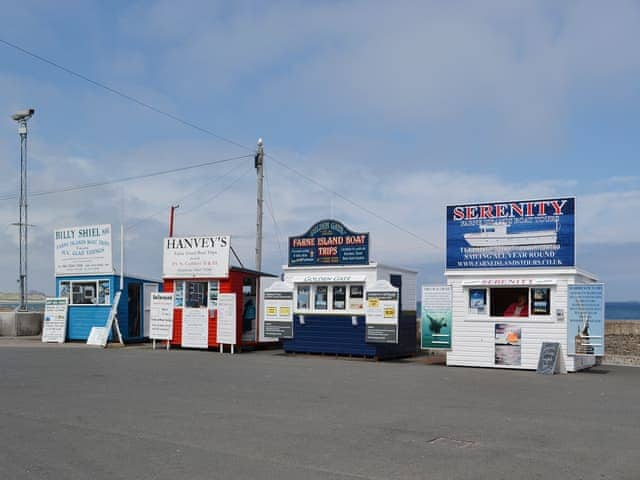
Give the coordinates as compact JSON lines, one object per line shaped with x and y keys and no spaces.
{"x":517,"y":234}
{"x":382,"y":302}
{"x":161,"y":316}
{"x":329,"y":242}
{"x":54,"y":328}
{"x":436,"y":317}
{"x":226,"y":328}
{"x":585,"y":319}
{"x":196,"y":257}
{"x":83,"y":250}
{"x":195,"y":327}
{"x":508,"y":344}
{"x":278,"y":311}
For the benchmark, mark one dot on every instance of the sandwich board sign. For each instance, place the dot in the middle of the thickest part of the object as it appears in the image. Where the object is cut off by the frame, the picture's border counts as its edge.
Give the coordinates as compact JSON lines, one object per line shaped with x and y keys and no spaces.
{"x":99,"y":336}
{"x":227,"y":325}
{"x":161,"y":316}
{"x":54,"y":328}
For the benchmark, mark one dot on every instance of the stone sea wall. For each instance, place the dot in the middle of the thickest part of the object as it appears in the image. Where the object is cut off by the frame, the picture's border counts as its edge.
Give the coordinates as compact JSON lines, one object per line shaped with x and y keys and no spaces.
{"x":622,"y":342}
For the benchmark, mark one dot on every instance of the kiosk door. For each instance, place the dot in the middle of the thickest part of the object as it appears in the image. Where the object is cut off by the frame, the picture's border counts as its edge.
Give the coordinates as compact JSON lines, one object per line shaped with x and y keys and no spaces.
{"x":396,"y":281}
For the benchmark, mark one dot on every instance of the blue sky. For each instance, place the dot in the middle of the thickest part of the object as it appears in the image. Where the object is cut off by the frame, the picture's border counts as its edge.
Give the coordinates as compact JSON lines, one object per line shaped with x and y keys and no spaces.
{"x":403,"y":106}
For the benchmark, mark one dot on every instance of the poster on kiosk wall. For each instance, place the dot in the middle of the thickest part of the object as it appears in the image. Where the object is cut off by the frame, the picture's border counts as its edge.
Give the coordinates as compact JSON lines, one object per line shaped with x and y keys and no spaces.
{"x":278,"y":311}
{"x":195,"y":328}
{"x":436,"y":317}
{"x":585,"y":319}
{"x":196,"y":257}
{"x":83,"y":250}
{"x":382,"y":313}
{"x":517,"y":234}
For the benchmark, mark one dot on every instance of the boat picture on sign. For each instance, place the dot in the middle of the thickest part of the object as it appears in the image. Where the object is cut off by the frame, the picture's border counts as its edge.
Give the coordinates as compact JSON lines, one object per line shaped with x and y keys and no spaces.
{"x":516,"y":234}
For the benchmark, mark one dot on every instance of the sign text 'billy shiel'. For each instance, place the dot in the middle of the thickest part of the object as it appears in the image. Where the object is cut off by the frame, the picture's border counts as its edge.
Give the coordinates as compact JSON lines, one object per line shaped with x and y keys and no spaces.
{"x":82,"y":232}
{"x":538,"y":208}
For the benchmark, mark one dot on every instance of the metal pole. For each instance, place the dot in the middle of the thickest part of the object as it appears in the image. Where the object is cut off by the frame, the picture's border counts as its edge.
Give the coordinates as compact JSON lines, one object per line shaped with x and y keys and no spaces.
{"x":171,"y":218}
{"x":22,"y":130}
{"x":259,"y":164}
{"x":21,"y":117}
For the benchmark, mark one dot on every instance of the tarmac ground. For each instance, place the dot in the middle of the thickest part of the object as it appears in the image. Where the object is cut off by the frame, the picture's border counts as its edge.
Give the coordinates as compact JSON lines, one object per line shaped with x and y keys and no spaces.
{"x":76,"y":412}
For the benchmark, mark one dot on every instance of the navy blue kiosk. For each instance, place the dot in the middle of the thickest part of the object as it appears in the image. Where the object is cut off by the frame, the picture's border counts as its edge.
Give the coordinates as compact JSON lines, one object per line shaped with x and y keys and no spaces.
{"x":343,"y":304}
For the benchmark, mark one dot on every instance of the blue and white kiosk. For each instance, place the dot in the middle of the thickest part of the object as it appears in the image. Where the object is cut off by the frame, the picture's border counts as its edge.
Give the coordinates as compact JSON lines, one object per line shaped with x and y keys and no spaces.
{"x":86,"y":277}
{"x":339,"y":302}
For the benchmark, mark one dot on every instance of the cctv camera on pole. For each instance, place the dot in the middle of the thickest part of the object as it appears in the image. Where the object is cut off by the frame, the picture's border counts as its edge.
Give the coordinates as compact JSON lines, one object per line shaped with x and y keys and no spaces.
{"x":21,"y":117}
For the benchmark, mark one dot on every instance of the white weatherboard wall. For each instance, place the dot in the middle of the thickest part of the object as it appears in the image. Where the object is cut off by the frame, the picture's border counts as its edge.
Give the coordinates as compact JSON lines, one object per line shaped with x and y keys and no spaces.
{"x":409,"y":284}
{"x":473,"y":335}
{"x":367,"y":274}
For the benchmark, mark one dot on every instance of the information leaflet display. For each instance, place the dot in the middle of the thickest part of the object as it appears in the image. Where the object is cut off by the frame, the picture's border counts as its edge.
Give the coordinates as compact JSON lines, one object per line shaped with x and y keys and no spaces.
{"x":54,"y":328}
{"x":83,"y":250}
{"x":436,"y":317}
{"x":196,"y":257}
{"x":585,"y":319}
{"x":278,"y":314}
{"x":195,"y":327}
{"x":382,"y":313}
{"x":161,"y":315}
{"x":227,"y":318}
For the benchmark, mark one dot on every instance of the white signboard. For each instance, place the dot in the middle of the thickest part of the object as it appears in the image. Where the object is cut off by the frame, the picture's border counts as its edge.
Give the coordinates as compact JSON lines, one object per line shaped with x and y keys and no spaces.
{"x":382,"y":313}
{"x":196,"y":257}
{"x":54,"y":328}
{"x":195,"y":328}
{"x":83,"y":250}
{"x":227,"y":318}
{"x":161,"y":316}
{"x":278,"y":311}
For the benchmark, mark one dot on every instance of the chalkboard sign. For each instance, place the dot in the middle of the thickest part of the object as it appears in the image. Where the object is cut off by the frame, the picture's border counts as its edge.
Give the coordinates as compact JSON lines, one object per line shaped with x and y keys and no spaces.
{"x":548,"y":360}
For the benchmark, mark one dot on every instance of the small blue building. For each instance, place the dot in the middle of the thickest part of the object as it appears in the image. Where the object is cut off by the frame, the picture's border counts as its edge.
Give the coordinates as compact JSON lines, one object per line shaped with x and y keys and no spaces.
{"x":91,"y":298}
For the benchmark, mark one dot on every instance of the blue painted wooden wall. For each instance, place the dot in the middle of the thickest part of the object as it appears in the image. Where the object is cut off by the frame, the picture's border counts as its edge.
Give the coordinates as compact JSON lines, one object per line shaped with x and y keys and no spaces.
{"x":335,"y":334}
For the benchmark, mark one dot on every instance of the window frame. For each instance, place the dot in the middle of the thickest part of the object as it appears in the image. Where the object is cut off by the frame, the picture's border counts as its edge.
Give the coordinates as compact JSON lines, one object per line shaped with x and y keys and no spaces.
{"x":486,"y":316}
{"x":97,"y":282}
{"x":312,"y":290}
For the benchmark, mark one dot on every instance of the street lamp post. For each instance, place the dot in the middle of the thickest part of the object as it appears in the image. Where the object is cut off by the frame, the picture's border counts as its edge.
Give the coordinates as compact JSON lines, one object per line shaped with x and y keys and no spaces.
{"x":21,"y":117}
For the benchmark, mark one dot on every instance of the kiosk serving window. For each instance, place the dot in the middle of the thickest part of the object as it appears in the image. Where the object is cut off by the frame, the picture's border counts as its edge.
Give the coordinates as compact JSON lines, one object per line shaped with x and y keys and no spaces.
{"x":339,"y":297}
{"x":510,"y":301}
{"x":330,"y":298}
{"x":304,"y":297}
{"x":321,"y":295}
{"x":86,"y":292}
{"x":196,"y":294}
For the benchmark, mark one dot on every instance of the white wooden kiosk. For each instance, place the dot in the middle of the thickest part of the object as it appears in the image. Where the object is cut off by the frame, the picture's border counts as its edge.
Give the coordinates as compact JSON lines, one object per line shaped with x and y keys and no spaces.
{"x":511,"y":294}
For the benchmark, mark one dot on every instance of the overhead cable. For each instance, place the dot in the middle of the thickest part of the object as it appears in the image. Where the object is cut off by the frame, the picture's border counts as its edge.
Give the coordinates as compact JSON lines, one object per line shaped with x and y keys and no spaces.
{"x":213,"y":134}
